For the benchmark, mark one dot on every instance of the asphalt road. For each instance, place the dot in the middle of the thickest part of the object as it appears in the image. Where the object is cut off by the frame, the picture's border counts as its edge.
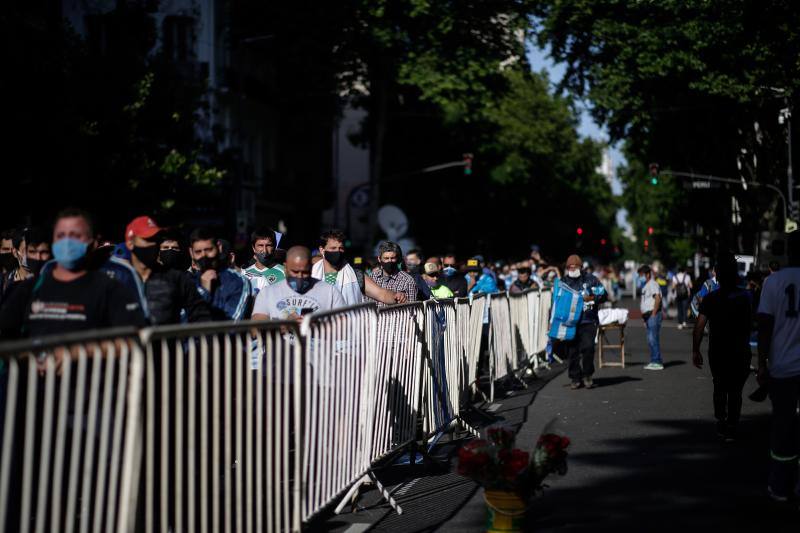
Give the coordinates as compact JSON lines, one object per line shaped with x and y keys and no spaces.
{"x":645,"y":455}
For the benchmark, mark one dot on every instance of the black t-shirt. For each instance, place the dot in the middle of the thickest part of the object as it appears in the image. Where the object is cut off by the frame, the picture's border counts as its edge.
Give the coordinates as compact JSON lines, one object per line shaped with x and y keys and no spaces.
{"x":49,"y":307}
{"x":456,"y":283}
{"x":730,"y":317}
{"x":170,"y":291}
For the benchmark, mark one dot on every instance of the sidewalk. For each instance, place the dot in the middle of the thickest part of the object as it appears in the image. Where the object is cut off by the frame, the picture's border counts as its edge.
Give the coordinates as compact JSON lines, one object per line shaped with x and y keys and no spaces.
{"x":645,"y":454}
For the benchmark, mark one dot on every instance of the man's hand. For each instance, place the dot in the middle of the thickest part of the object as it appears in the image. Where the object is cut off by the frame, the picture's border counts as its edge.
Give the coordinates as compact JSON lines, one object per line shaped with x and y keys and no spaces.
{"x":697,"y":359}
{"x":207,"y":278}
{"x":400,"y":297}
{"x":763,"y":375}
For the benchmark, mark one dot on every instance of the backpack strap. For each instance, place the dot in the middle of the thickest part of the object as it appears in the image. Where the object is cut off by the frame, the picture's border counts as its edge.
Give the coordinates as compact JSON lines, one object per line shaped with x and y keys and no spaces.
{"x":360,"y":279}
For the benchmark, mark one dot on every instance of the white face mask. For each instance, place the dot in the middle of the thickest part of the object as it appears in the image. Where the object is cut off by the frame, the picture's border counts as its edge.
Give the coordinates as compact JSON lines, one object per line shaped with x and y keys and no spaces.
{"x":574,"y":273}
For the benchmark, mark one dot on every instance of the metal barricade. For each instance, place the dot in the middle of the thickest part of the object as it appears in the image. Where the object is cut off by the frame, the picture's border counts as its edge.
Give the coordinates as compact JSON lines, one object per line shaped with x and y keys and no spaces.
{"x":399,"y":344}
{"x":543,"y":320}
{"x":441,"y":362}
{"x":71,"y":430}
{"x":222,"y":424}
{"x":339,"y":402}
{"x":521,"y":330}
{"x":469,"y":313}
{"x":500,"y":341}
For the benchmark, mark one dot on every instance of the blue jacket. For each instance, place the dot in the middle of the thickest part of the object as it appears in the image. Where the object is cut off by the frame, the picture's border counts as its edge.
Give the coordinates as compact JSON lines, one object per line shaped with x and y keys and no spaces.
{"x":485,"y":284}
{"x":588,"y":283}
{"x":229,"y":298}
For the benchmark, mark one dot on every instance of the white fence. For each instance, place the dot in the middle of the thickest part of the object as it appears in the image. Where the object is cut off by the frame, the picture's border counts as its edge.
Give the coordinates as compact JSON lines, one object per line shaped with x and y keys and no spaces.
{"x":255,"y":426}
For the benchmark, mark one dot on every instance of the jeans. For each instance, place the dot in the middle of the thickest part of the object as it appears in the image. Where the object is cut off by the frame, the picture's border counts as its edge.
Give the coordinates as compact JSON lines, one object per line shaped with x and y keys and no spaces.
{"x":784,"y":438}
{"x":653,"y":333}
{"x":580,"y":352}
{"x":729,"y":371}
{"x":683,"y":306}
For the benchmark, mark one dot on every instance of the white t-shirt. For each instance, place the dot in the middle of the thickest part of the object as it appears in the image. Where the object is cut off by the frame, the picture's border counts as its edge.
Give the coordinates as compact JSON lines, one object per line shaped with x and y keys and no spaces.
{"x":279,"y":301}
{"x":682,"y":278}
{"x":780,"y":298}
{"x":649,"y":292}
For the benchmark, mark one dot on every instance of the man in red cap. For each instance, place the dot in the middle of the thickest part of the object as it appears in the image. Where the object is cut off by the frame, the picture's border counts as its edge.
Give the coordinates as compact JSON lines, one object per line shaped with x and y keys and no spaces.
{"x":167,"y":291}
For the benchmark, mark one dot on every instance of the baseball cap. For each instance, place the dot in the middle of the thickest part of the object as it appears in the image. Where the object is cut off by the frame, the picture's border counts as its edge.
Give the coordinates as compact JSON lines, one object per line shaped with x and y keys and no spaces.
{"x":144,"y":227}
{"x":431,"y":268}
{"x":473,"y":265}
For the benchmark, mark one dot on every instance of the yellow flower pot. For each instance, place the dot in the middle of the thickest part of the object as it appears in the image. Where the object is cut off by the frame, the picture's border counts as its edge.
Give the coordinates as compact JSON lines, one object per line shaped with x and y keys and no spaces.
{"x":505,"y":511}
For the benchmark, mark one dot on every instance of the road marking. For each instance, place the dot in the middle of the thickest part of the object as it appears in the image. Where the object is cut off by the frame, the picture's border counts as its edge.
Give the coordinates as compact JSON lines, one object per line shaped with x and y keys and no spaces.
{"x":358,"y":527}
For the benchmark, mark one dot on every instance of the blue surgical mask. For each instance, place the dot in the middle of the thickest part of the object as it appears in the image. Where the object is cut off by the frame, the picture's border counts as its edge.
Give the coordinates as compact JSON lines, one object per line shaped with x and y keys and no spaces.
{"x":69,"y":252}
{"x":449,"y":271}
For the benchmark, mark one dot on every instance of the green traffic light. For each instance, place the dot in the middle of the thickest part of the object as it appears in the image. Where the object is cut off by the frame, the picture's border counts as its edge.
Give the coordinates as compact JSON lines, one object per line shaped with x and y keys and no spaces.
{"x":467,"y":171}
{"x":654,"y":181}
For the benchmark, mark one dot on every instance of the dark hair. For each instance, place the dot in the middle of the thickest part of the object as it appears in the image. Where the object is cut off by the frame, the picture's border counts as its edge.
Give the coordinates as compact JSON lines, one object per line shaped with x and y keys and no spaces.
{"x":644,"y":269}
{"x":389,"y":246}
{"x":727,"y":271}
{"x":774,"y":266}
{"x":74,"y":212}
{"x":36,"y":235}
{"x":263,"y":233}
{"x":414,"y":251}
{"x":331,"y":235}
{"x":173,"y":234}
{"x":7,"y":234}
{"x":202,"y":234}
{"x":523,"y":270}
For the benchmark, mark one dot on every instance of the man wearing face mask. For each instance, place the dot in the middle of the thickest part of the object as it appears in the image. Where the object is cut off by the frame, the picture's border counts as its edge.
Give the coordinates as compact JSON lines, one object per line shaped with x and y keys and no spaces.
{"x":224,"y":289}
{"x":298,"y":294}
{"x":580,"y":349}
{"x":265,"y":270}
{"x":351,"y":283}
{"x":7,"y":260}
{"x":31,"y":250}
{"x":523,"y":281}
{"x":168,"y":291}
{"x":389,"y":276}
{"x":171,"y":254}
{"x":453,"y":279}
{"x":69,"y":296}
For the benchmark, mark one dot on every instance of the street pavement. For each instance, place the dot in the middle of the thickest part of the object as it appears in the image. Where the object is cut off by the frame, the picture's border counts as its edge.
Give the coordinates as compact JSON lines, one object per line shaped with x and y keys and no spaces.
{"x":644,"y":457}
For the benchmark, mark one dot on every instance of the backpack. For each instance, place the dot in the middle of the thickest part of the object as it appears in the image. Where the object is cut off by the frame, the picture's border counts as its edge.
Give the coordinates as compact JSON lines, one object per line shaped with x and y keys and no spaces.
{"x":681,"y":291}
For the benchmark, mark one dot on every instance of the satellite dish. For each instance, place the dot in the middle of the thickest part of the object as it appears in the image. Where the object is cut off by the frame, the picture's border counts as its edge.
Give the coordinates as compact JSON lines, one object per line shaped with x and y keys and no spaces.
{"x":393,"y":222}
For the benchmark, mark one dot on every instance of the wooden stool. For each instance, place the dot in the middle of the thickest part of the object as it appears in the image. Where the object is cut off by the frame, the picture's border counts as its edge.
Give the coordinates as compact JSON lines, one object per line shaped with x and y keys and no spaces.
{"x":603,"y":343}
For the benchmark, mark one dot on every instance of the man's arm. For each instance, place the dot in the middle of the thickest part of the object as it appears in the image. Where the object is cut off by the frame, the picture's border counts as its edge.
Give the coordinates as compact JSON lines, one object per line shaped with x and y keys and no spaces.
{"x":697,"y":340}
{"x":197,"y":310}
{"x":766,"y":323}
{"x":376,"y":292}
{"x":657,"y":303}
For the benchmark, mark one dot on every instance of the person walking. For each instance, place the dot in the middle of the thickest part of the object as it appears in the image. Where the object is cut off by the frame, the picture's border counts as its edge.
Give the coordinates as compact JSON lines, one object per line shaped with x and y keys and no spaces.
{"x":651,"y":307}
{"x":682,"y":285}
{"x":779,"y":370}
{"x":728,"y":313}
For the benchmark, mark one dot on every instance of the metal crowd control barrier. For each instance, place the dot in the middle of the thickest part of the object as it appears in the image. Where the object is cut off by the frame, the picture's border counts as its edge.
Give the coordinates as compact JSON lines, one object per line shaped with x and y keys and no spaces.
{"x":70,"y":426}
{"x":222,"y":423}
{"x":253,"y":426}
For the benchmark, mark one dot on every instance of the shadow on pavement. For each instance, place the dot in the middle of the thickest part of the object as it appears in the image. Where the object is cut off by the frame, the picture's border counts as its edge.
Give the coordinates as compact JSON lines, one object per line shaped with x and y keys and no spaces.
{"x":608,"y":382}
{"x":677,"y":477}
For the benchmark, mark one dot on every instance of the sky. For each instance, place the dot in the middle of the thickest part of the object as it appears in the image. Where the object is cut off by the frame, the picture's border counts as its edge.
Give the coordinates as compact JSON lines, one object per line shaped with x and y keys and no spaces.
{"x":541,"y":60}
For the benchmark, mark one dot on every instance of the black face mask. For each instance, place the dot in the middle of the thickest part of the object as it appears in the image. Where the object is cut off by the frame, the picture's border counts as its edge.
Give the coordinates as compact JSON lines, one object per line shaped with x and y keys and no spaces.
{"x":266,"y":259}
{"x":8,"y":261}
{"x":412,"y":269}
{"x":336,"y":259}
{"x":171,"y":259}
{"x":206,"y":263}
{"x":389,"y":268}
{"x":35,"y":266}
{"x":147,"y":255}
{"x":299,"y":285}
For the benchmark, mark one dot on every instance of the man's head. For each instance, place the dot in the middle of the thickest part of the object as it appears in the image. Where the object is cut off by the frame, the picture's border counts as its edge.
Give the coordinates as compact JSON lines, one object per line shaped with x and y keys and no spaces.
{"x":389,"y":254}
{"x":413,"y":260}
{"x":524,"y":274}
{"x":298,"y":269}
{"x":34,"y":250}
{"x":727,"y":271}
{"x":774,"y":266}
{"x":141,"y":238}
{"x":204,"y":250}
{"x":171,"y":253}
{"x":262,"y":241}
{"x":7,"y":260}
{"x":646,"y":272}
{"x":573,"y":266}
{"x":73,"y":237}
{"x":432,"y":269}
{"x":331,"y":247}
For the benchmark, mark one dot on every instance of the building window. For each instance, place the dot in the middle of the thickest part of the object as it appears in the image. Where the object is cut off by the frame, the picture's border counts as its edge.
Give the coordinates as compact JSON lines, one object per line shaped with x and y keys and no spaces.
{"x":179,"y":38}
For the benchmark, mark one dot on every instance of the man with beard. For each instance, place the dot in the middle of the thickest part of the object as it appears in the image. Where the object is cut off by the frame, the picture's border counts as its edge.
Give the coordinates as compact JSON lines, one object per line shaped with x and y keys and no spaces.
{"x":265,"y":270}
{"x":224,"y":289}
{"x":168,"y":291}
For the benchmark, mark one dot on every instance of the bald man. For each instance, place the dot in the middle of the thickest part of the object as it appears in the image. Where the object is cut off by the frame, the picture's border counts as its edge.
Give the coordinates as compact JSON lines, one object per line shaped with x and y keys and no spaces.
{"x":297,"y":295}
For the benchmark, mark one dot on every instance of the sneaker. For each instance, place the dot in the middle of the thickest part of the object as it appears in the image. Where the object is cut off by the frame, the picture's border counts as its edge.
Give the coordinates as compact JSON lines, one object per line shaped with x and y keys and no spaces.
{"x":775,"y":496}
{"x":654,"y":366}
{"x":588,"y":383}
{"x":680,"y":326}
{"x":575,"y":385}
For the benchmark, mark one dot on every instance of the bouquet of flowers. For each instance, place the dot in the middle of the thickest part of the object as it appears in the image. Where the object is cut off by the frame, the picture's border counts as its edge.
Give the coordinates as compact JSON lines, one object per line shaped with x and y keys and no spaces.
{"x":497,"y":465}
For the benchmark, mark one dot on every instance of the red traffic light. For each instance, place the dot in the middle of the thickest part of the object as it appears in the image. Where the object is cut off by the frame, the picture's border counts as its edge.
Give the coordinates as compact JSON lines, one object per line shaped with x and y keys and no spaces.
{"x":602,"y":242}
{"x":650,"y":230}
{"x":579,"y":231}
{"x":646,"y":243}
{"x":467,"y":164}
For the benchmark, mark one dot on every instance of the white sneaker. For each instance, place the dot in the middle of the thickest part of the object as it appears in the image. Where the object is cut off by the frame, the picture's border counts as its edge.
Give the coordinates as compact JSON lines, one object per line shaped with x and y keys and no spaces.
{"x":654,"y":366}
{"x":680,"y":326}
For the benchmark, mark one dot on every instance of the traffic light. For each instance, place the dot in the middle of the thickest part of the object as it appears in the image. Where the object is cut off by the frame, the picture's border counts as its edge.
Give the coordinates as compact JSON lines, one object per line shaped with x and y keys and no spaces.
{"x":579,"y":231}
{"x":602,"y":242}
{"x":650,"y":230}
{"x":654,"y":173}
{"x":646,"y":244}
{"x":467,"y":164}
